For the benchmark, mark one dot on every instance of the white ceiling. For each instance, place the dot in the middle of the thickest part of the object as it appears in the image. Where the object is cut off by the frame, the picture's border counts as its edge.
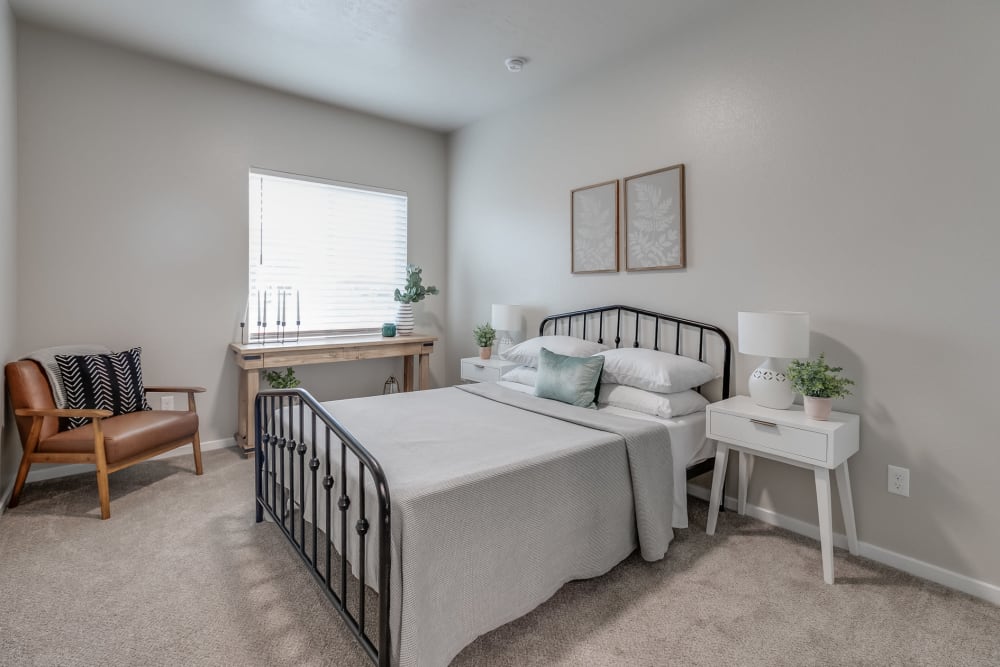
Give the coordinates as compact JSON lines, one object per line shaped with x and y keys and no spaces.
{"x":434,"y":63}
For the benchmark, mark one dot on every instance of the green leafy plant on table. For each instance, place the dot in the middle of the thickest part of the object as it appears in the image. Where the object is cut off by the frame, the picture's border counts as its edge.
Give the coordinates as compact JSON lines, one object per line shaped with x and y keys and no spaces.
{"x":414,"y":291}
{"x":485,"y":334}
{"x":819,"y":383}
{"x":818,"y":379}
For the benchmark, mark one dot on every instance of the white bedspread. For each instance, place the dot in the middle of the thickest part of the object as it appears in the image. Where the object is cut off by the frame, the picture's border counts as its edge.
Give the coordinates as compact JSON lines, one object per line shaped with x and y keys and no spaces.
{"x":498,"y":499}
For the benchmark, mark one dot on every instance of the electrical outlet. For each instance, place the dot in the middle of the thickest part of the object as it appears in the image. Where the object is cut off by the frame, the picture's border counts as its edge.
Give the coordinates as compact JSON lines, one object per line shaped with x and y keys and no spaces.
{"x":899,"y":481}
{"x":166,"y":402}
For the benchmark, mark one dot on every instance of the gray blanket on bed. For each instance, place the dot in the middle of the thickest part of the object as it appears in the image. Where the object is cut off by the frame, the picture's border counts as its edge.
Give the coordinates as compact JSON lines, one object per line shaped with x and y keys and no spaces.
{"x":498,"y":499}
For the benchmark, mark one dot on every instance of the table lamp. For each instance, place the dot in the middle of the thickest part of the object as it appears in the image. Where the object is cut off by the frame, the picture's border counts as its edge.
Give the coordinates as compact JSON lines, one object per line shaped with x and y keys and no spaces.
{"x":775,"y":335}
{"x":505,"y":319}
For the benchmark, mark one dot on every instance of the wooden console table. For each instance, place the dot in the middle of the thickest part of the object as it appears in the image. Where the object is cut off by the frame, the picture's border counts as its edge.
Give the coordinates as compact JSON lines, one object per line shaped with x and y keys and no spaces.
{"x":254,"y":357}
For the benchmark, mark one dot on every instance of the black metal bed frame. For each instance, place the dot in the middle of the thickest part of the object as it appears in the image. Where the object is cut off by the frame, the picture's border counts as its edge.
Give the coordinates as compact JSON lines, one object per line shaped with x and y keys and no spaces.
{"x":275,"y":444}
{"x":281,"y":448}
{"x":583,"y":317}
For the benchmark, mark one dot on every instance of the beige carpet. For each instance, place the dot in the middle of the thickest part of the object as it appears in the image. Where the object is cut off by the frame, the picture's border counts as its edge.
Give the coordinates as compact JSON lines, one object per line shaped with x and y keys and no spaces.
{"x":181,"y":575}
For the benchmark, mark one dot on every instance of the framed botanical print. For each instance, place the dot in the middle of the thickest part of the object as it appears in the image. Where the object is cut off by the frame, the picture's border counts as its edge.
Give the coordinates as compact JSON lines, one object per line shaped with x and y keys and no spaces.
{"x":654,"y":220}
{"x":594,"y":228}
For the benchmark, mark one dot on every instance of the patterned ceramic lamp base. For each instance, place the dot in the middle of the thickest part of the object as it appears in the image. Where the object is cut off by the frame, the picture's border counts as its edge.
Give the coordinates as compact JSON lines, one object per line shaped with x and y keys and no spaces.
{"x":770,"y":388}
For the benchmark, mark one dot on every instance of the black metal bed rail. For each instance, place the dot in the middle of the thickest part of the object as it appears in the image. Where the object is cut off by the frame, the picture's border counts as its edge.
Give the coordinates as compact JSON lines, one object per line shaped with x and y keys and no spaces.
{"x":283,"y":439}
{"x":582,"y":317}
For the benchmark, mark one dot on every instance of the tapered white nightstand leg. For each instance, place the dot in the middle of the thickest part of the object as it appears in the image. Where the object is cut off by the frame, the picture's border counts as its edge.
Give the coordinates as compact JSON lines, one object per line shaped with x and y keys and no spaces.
{"x":718,"y":478}
{"x":825,"y":508}
{"x":847,"y":507}
{"x":746,"y":469}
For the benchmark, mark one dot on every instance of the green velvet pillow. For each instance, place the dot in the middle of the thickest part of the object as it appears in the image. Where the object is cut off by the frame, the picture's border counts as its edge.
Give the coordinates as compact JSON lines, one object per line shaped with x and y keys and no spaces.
{"x":571,"y":380}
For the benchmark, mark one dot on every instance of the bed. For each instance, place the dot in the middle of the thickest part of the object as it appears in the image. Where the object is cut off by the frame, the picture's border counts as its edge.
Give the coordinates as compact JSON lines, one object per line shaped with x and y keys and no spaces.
{"x":457,"y":510}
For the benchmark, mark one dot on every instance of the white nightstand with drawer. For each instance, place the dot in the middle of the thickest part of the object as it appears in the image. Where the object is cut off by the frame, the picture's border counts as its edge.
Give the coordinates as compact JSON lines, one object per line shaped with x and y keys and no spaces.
{"x":790,"y":437}
{"x":475,"y":369}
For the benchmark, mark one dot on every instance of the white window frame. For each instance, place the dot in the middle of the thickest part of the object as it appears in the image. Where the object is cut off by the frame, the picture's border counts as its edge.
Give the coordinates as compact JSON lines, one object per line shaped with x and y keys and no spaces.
{"x":254,"y":226}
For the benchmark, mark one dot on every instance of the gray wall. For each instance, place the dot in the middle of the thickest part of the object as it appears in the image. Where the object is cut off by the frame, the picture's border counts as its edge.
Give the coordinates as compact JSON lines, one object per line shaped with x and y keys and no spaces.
{"x":9,"y":451}
{"x":133,"y":208}
{"x":841,"y":159}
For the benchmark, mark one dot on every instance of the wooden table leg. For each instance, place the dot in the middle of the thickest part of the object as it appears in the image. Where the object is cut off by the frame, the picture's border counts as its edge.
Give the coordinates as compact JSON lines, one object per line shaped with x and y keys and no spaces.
{"x":245,"y":429}
{"x":240,"y":436}
{"x":825,"y":508}
{"x":408,"y":373}
{"x":424,"y":364}
{"x":847,"y":507}
{"x":718,"y":477}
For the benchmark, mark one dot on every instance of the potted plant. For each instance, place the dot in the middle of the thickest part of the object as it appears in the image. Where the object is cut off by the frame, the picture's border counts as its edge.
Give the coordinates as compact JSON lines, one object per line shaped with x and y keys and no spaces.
{"x":286,"y":380}
{"x":279,"y":380}
{"x":485,"y":335}
{"x":819,"y":384}
{"x":413,"y":292}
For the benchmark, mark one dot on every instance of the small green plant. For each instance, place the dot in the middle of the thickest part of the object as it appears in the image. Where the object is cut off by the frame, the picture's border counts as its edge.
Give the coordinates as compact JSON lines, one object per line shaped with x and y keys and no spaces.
{"x":485,"y":334}
{"x":279,"y":380}
{"x":414,"y":290}
{"x":817,"y":379}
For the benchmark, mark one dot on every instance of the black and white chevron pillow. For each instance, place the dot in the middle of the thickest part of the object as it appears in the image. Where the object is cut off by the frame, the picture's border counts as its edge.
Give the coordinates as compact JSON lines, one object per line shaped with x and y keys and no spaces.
{"x":102,"y":382}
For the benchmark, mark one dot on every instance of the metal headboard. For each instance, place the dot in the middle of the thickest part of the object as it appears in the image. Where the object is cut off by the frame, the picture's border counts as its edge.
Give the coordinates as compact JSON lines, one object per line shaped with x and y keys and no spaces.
{"x":605,"y":322}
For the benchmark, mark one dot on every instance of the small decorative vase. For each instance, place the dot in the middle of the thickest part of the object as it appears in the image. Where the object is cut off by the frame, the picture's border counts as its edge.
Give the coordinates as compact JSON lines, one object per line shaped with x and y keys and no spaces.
{"x":389,"y":329}
{"x":485,"y":352}
{"x":404,"y":319}
{"x":817,"y":408}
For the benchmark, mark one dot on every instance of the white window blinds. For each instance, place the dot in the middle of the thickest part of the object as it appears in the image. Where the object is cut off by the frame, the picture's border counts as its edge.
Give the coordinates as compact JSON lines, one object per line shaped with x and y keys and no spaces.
{"x":333,"y":253}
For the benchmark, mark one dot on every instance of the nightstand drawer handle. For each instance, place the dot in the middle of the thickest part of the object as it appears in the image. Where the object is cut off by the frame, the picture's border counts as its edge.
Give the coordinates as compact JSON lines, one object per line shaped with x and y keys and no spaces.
{"x":480,"y":366}
{"x":761,"y":422}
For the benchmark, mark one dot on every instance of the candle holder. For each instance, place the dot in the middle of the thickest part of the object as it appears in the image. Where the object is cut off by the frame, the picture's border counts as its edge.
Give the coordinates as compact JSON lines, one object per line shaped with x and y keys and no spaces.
{"x":282,"y":331}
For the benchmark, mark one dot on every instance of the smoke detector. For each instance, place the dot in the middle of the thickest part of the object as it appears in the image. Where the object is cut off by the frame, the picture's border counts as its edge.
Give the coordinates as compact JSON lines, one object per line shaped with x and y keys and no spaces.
{"x":515,"y":63}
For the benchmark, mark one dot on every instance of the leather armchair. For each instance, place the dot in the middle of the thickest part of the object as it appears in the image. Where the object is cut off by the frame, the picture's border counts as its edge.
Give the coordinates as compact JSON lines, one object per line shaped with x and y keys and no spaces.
{"x":110,"y":443}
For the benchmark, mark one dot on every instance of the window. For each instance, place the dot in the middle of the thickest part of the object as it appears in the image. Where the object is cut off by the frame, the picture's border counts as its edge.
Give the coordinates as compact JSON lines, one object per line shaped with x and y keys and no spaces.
{"x":333,"y":253}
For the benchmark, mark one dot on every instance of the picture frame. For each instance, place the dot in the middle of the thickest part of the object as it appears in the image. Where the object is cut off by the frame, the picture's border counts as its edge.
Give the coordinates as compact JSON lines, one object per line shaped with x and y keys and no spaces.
{"x":594,"y":223}
{"x":655,"y":237}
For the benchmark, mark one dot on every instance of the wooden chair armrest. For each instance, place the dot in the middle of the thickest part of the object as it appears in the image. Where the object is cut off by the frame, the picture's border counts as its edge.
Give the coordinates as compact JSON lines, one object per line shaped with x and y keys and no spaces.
{"x":174,"y":390}
{"x":62,"y":412}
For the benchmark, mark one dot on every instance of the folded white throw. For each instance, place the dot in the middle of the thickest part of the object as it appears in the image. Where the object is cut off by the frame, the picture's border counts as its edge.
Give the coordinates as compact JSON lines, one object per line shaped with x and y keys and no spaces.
{"x":47,"y":358}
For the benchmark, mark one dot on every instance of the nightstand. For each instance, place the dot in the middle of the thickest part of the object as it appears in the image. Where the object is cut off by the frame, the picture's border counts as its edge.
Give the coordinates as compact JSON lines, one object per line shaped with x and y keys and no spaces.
{"x":475,"y":369}
{"x":790,"y":437}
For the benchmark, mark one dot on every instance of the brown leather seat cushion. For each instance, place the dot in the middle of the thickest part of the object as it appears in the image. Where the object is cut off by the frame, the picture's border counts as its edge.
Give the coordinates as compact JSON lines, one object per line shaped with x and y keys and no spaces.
{"x":126,"y":435}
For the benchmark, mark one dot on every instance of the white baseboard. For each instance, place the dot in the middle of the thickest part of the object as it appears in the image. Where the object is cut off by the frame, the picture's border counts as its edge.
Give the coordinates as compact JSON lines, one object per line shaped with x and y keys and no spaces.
{"x":43,"y":471}
{"x":918,"y":568}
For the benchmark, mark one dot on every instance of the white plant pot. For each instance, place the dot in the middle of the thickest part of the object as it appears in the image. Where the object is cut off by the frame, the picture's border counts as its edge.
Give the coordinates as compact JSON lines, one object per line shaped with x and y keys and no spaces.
{"x":817,"y":408}
{"x":404,"y":319}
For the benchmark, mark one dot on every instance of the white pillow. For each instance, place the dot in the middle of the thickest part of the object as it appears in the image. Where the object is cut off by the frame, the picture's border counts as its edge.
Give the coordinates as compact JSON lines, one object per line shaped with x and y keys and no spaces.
{"x":521,"y":375}
{"x":526,"y":353}
{"x":653,"y":370}
{"x":677,"y":404}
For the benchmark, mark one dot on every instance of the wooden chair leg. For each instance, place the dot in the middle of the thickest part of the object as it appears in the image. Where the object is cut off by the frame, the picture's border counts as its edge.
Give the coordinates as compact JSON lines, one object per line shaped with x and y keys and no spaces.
{"x":196,"y":441}
{"x":22,"y":471}
{"x":22,"y":475}
{"x":103,"y":492}
{"x":102,"y":470}
{"x":196,"y":445}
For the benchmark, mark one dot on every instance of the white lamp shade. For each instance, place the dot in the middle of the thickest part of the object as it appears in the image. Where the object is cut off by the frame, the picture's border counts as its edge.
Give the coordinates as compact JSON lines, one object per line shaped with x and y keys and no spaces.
{"x":782,"y":335}
{"x":506,"y":318}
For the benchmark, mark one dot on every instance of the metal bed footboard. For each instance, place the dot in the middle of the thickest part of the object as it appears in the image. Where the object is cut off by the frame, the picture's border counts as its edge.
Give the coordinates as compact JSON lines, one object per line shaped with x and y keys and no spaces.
{"x":288,"y":459}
